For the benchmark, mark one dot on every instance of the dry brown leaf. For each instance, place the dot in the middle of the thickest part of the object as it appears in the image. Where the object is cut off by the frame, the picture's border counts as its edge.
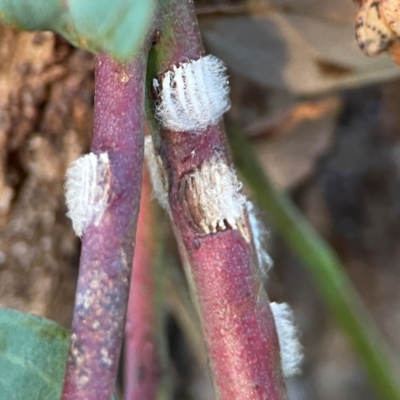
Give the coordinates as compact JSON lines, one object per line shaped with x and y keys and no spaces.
{"x":377,"y":25}
{"x":306,"y":47}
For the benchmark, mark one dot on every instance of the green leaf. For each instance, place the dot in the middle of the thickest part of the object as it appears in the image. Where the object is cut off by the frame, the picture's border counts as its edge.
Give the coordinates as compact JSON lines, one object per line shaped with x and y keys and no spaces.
{"x":33,"y":352}
{"x":116,"y":27}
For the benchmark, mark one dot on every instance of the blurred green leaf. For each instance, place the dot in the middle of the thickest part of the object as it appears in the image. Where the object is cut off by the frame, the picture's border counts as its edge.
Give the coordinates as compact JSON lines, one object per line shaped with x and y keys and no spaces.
{"x":116,"y":27}
{"x":33,"y":351}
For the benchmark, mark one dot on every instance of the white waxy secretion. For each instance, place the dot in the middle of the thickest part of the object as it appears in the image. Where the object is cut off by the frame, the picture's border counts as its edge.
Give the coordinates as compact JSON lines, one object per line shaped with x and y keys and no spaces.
{"x":193,"y":95}
{"x":260,"y":233}
{"x":289,"y":343}
{"x":158,"y":175}
{"x":215,"y":198}
{"x":87,"y":190}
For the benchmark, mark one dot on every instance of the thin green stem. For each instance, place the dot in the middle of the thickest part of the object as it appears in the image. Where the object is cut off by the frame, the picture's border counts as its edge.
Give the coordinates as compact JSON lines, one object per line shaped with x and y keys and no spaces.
{"x":324,"y":267}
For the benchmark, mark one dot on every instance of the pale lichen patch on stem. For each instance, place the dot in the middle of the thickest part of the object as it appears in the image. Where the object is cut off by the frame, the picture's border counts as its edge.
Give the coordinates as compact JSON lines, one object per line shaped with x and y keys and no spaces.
{"x":87,"y":190}
{"x":77,"y":357}
{"x":105,"y":357}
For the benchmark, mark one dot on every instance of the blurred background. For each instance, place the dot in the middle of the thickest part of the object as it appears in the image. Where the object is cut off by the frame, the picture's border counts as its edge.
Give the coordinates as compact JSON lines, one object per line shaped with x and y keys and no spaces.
{"x":325,"y":123}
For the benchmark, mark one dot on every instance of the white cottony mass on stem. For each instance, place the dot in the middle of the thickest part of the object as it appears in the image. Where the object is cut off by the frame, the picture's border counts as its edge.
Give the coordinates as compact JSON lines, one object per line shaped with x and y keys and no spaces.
{"x":213,"y":198}
{"x":193,"y":95}
{"x":86,"y":190}
{"x":291,"y":349}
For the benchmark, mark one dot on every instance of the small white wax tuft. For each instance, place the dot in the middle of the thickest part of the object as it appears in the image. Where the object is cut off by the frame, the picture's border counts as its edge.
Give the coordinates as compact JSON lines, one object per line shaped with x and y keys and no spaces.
{"x":86,"y":190}
{"x":291,"y":348}
{"x":193,"y":95}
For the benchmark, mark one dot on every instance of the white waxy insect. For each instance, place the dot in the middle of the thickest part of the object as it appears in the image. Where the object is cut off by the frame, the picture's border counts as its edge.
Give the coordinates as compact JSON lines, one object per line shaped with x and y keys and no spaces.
{"x":213,"y":200}
{"x":289,"y":343}
{"x":373,"y":33}
{"x":87,"y":190}
{"x":193,"y":95}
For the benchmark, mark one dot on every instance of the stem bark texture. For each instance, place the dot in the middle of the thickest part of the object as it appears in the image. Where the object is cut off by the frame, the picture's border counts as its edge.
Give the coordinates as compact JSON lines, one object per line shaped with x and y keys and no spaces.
{"x":107,"y":248}
{"x":222,"y":267}
{"x":142,"y":370}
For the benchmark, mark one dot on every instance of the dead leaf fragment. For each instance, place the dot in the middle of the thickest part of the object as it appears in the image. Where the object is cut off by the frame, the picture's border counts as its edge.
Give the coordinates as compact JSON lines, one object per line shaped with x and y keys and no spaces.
{"x":373,"y":34}
{"x":391,"y":12}
{"x":377,"y":26}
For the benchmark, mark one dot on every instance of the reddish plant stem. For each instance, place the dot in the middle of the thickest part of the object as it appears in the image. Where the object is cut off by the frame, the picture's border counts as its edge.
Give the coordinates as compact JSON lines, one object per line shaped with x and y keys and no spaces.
{"x":237,"y":322}
{"x":107,"y":249}
{"x":142,"y":371}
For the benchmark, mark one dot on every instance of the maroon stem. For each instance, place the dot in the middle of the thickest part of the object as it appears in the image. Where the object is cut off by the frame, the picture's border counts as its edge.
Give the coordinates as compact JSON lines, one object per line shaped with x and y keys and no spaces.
{"x":142,"y":371}
{"x":237,"y":320}
{"x":107,"y":249}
